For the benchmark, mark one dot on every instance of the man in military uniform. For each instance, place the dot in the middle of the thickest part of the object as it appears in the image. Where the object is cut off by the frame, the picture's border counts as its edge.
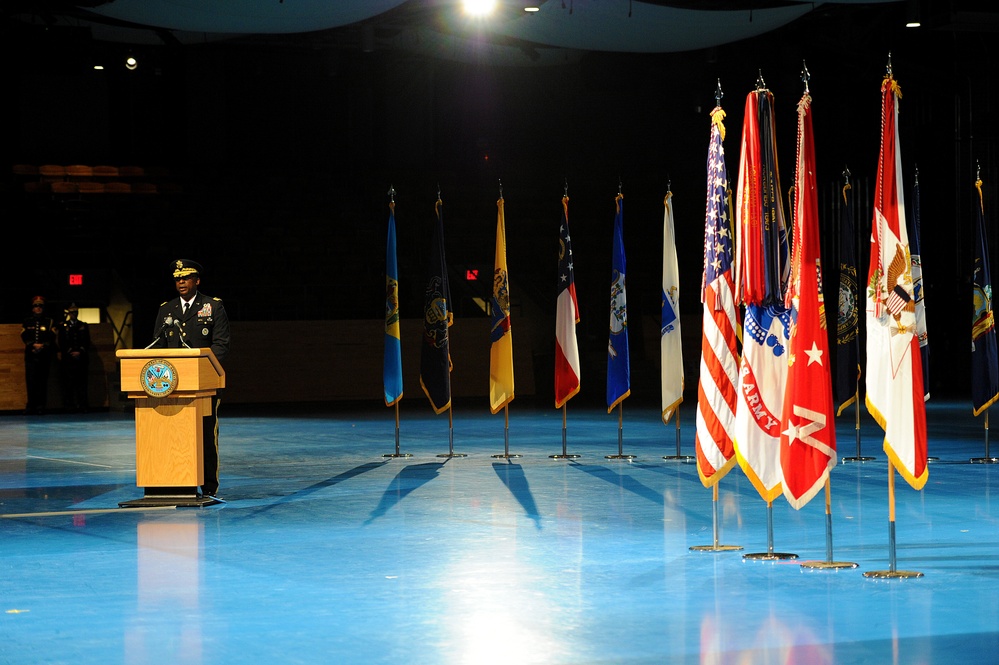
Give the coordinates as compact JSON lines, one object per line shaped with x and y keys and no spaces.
{"x":73,"y":337}
{"x":196,"y":320}
{"x":38,"y":335}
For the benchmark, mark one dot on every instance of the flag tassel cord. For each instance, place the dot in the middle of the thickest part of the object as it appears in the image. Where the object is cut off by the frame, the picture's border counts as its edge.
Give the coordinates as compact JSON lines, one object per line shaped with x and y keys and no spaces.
{"x":770,"y":554}
{"x":396,"y":453}
{"x":988,"y":459}
{"x":678,"y":457}
{"x":620,"y":435}
{"x":892,"y":572}
{"x":715,"y":547}
{"x":564,"y":455}
{"x":506,"y":454}
{"x":856,"y":427}
{"x":829,"y":563}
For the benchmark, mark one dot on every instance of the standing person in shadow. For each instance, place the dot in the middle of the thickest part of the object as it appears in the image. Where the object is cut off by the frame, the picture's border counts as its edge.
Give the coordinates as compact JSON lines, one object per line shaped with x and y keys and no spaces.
{"x":196,"y":320}
{"x":73,"y":337}
{"x":38,"y":335}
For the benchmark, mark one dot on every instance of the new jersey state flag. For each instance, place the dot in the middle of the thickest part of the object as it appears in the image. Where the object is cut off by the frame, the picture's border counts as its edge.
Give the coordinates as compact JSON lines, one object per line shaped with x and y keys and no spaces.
{"x":764,"y":269}
{"x":808,"y":439}
{"x":671,"y":351}
{"x":894,"y":378}
{"x":392,"y":366}
{"x":720,"y":326}
{"x":618,"y":357}
{"x":500,"y":337}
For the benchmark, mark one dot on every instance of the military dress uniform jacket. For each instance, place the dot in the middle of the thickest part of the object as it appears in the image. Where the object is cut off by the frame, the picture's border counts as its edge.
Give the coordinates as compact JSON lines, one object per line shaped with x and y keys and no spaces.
{"x":38,"y":330}
{"x":73,"y":336}
{"x":204,"y":325}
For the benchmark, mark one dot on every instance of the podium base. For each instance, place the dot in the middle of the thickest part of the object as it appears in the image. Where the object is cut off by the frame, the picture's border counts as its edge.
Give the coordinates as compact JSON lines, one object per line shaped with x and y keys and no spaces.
{"x":182,"y":497}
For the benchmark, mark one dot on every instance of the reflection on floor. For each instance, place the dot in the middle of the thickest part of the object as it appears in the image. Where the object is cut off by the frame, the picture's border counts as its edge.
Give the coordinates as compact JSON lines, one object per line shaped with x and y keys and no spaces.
{"x":328,"y":551}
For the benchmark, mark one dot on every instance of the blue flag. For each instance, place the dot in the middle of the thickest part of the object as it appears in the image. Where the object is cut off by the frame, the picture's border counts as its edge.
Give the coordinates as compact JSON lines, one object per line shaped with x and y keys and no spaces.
{"x":984,"y":367}
{"x":435,"y":355}
{"x":392,"y":370}
{"x":618,"y":363}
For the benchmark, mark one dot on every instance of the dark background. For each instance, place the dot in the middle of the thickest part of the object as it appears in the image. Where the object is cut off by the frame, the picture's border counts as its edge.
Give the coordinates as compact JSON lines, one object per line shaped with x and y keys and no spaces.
{"x":284,"y":155}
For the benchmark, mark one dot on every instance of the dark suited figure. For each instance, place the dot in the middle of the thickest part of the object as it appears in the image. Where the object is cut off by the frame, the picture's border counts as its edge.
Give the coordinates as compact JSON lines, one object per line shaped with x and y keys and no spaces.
{"x":199,"y":321}
{"x":73,"y":337}
{"x":38,"y":335}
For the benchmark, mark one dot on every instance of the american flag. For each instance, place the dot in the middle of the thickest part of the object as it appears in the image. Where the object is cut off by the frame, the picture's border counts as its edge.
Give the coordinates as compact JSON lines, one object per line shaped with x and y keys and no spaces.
{"x":716,"y":390}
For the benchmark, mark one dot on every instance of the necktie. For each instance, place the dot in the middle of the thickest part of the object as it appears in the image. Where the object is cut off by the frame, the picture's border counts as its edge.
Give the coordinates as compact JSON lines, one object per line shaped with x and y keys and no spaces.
{"x":183,"y":309}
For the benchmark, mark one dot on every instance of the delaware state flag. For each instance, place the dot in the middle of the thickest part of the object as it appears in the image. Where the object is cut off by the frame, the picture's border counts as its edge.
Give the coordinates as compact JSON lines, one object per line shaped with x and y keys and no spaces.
{"x":500,"y":337}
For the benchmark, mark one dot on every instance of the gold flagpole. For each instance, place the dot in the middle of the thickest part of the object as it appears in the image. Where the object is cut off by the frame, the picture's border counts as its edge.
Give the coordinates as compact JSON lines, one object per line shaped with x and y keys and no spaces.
{"x":715,"y":547}
{"x":892,"y":572}
{"x":828,"y":563}
{"x":564,"y":455}
{"x":620,"y":435}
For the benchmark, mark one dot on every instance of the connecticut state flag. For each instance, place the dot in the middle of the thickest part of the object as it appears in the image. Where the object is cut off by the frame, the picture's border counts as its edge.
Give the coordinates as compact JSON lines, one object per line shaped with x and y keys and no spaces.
{"x":500,"y":337}
{"x":894,"y":377}
{"x":671,"y":352}
{"x":392,"y":370}
{"x":808,"y":439}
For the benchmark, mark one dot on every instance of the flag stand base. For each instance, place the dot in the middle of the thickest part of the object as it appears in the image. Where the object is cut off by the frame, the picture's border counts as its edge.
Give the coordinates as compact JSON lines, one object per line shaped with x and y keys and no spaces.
{"x":769,"y":556}
{"x":397,"y":455}
{"x":984,"y":460}
{"x":506,"y":455}
{"x":564,"y":456}
{"x":892,"y":574}
{"x":678,"y":458}
{"x":828,"y":565}
{"x":857,"y":459}
{"x":452,"y":455}
{"x":619,"y":456}
{"x":715,"y":548}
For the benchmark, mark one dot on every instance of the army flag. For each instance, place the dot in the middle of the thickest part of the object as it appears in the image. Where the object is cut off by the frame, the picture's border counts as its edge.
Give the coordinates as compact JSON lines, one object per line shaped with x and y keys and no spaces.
{"x":392,"y":367}
{"x":671,"y":351}
{"x":500,"y":337}
{"x":618,"y":360}
{"x":435,"y":355}
{"x":764,"y":270}
{"x":808,"y":437}
{"x":894,"y":377}
{"x":566,"y":318}
{"x":917,"y":287}
{"x":984,"y":367}
{"x":848,"y":319}
{"x":719,"y":368}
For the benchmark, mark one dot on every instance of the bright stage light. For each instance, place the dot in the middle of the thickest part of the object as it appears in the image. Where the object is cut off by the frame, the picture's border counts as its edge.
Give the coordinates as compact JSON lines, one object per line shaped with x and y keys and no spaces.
{"x":478,"y":7}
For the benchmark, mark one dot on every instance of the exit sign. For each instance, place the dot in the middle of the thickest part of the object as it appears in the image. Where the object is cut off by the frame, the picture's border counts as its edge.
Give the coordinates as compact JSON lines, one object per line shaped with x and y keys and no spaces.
{"x":75,"y":280}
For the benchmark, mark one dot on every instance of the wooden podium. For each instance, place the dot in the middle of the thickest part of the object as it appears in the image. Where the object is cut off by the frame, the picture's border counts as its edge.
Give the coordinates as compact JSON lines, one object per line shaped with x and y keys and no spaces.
{"x":173,"y":391}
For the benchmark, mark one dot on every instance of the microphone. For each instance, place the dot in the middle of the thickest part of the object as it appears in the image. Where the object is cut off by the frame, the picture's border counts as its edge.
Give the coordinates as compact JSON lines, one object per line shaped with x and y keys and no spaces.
{"x":167,"y":321}
{"x":170,"y":321}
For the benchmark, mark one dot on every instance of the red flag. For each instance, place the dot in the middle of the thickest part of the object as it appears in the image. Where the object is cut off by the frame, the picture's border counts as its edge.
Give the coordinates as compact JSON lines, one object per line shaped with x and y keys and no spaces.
{"x":566,"y":318}
{"x":808,"y":442}
{"x":895,"y":395}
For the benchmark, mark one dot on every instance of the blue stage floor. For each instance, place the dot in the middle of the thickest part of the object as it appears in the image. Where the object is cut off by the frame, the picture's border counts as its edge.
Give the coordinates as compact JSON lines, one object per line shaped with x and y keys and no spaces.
{"x":327,"y":552}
